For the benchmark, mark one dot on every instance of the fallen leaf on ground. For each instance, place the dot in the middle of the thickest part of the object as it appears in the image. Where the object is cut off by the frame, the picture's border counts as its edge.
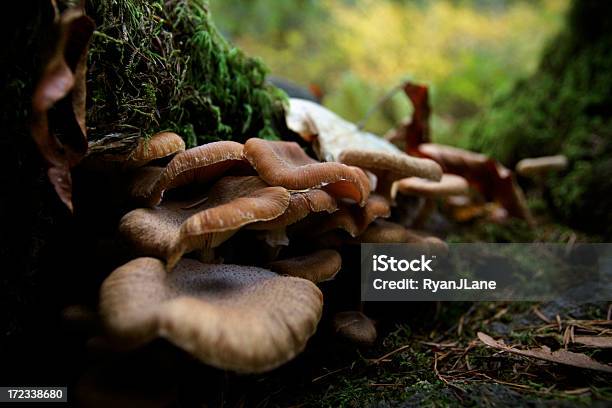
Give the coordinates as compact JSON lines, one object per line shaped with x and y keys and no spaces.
{"x":58,"y":102}
{"x":560,"y":356}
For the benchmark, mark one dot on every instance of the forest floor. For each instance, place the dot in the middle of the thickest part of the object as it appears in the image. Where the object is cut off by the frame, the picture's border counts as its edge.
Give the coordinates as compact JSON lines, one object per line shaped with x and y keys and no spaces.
{"x":427,"y":354}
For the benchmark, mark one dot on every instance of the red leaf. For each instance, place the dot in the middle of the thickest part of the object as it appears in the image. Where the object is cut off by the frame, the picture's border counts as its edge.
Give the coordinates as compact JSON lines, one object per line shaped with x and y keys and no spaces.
{"x":417,"y":131}
{"x":58,"y":103}
{"x":494,"y":181}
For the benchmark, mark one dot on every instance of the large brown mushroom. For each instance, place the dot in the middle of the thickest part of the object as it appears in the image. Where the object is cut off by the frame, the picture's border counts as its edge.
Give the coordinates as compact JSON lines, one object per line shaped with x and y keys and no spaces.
{"x":285,"y":164}
{"x":239,"y":318}
{"x":198,"y":165}
{"x":174,"y":228}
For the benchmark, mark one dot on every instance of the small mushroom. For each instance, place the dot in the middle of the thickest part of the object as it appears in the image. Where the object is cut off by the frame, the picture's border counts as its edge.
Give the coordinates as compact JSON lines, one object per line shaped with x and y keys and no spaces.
{"x":200,"y":164}
{"x":319,"y":266}
{"x":386,"y":232}
{"x":159,"y":146}
{"x":449,"y":185}
{"x":351,"y":218}
{"x":174,"y":228}
{"x":536,"y":167}
{"x":355,"y":327}
{"x":285,"y":164}
{"x":389,"y":167}
{"x":239,"y":318}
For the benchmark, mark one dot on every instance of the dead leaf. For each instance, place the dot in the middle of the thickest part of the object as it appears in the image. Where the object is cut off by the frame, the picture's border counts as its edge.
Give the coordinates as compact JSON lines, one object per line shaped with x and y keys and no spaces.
{"x":329,"y":133}
{"x":494,"y":181}
{"x":560,"y":356}
{"x":416,"y":131}
{"x":58,"y":103}
{"x":594,"y":341}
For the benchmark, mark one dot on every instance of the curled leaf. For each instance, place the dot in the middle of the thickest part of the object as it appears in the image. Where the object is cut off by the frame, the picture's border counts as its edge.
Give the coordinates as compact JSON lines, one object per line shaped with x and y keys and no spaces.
{"x":494,"y":181}
{"x":58,"y":102}
{"x":560,"y":356}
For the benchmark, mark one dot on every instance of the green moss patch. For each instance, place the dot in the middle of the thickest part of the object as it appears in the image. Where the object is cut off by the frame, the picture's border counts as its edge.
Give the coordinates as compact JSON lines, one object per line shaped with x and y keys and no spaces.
{"x":157,"y":65}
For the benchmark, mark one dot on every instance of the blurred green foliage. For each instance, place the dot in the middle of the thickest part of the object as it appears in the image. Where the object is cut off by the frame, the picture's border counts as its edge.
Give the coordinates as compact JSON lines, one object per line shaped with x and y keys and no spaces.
{"x":356,"y":50}
{"x":495,"y":86}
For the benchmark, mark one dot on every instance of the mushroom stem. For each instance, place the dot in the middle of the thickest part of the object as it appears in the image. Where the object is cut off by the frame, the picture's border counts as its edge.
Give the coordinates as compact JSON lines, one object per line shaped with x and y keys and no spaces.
{"x":384,"y":185}
{"x":428,"y":207}
{"x":207,"y":256}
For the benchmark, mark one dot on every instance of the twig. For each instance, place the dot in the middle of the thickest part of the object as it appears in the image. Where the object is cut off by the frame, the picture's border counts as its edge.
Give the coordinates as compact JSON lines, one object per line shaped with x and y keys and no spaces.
{"x":330,"y":373}
{"x":385,"y":98}
{"x":541,"y":315}
{"x":389,"y":354}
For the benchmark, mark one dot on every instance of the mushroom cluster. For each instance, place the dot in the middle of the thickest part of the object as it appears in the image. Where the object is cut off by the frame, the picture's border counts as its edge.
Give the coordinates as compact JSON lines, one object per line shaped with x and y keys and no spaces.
{"x":228,"y":242}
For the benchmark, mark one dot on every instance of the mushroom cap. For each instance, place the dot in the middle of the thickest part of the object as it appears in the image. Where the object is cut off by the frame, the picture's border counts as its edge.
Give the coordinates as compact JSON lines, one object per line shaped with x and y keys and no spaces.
{"x":160,"y":145}
{"x":386,"y":232}
{"x":301,"y":204}
{"x":285,"y":164}
{"x":399,"y":165}
{"x":354,"y":219}
{"x":449,"y":185}
{"x":330,"y":133}
{"x":535,"y":166}
{"x":232,"y":317}
{"x":318,"y":266}
{"x":355,"y":327}
{"x":197,"y":165}
{"x":172,"y":229}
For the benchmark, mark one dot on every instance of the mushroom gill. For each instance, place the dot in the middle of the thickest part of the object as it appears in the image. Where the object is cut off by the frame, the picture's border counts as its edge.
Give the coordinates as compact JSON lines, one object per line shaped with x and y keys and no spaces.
{"x":174,"y":228}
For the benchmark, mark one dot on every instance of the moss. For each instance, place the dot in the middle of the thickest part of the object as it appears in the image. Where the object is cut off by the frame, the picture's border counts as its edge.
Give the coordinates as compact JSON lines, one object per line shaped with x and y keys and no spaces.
{"x":157,"y":65}
{"x":564,"y":107}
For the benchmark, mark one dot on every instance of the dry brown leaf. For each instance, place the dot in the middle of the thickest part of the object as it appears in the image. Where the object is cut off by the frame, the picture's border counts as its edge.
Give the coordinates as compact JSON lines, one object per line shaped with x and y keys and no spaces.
{"x":493,"y":180}
{"x":560,"y":356}
{"x":594,"y":341}
{"x":58,"y":103}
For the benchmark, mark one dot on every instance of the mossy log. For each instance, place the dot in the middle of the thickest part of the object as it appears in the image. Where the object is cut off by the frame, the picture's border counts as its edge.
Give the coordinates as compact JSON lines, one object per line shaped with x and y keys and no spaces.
{"x":564,"y":107}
